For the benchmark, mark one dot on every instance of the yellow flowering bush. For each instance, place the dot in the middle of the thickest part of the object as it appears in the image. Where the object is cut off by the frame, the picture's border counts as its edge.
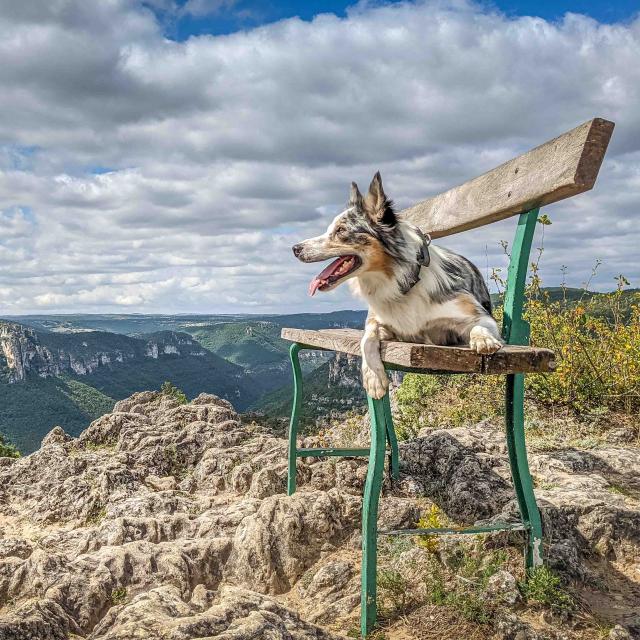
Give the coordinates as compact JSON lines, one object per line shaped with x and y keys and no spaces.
{"x":597,"y":344}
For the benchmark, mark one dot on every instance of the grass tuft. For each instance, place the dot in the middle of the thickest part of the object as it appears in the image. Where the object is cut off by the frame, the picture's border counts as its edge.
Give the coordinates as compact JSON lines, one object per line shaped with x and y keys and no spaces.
{"x":542,"y":586}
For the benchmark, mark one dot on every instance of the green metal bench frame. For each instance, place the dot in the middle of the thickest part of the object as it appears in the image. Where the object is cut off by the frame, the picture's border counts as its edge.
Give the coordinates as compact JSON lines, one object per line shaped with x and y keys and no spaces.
{"x":515,"y":331}
{"x":584,"y":147}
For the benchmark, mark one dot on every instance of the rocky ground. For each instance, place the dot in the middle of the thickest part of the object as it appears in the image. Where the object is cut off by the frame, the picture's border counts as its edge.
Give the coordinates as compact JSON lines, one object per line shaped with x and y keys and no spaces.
{"x":169,"y":521}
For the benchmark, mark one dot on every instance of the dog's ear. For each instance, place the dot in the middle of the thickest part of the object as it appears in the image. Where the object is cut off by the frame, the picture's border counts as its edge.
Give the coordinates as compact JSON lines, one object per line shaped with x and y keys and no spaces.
{"x":355,"y":197}
{"x":377,"y":205}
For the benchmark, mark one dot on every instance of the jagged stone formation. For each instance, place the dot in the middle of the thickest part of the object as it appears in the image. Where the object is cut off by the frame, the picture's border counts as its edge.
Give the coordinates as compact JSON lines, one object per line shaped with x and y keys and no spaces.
{"x":169,"y":521}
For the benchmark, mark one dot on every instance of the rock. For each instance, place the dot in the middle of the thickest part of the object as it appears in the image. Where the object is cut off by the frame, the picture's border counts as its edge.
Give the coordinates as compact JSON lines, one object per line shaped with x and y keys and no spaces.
{"x":15,"y":547}
{"x":138,"y":520}
{"x":156,"y":483}
{"x":235,"y":614}
{"x":41,"y":620}
{"x":274,"y":546}
{"x":398,"y":513}
{"x":55,"y":436}
{"x":26,"y":352}
{"x":453,"y":466}
{"x":563,"y":557}
{"x":502,"y":587}
{"x":619,"y":633}
{"x":169,"y":520}
{"x":509,"y":627}
{"x":332,"y":592}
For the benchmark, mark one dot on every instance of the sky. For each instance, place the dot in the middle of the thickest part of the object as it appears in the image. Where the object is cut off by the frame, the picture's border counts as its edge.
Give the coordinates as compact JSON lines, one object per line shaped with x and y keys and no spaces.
{"x":162,"y":157}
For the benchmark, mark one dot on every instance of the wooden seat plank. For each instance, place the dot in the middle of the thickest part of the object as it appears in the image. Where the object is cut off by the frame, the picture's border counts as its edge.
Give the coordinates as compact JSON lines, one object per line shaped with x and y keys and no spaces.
{"x":428,"y":357}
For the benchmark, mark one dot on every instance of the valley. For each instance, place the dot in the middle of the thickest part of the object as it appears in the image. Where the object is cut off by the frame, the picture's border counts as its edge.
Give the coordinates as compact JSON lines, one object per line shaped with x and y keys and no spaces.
{"x":67,"y":370}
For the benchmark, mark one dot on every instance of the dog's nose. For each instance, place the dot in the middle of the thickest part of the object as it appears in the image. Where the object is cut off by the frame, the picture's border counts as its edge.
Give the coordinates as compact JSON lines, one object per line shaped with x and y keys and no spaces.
{"x":297,"y":250}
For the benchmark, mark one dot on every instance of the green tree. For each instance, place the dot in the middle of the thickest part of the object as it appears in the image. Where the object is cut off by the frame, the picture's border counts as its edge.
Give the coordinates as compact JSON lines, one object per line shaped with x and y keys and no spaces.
{"x":169,"y":389}
{"x":7,"y":450}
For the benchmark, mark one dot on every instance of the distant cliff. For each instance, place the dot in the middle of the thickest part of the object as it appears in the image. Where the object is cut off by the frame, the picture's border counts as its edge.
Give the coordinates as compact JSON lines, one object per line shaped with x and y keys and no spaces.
{"x":49,"y":377}
{"x":24,"y":353}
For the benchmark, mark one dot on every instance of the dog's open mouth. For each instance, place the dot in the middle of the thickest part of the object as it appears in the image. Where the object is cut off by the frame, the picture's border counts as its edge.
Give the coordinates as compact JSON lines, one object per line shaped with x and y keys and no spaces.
{"x":335,"y":272}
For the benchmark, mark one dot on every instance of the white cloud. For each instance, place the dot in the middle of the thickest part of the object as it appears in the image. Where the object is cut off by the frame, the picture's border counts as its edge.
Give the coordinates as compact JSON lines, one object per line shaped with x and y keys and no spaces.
{"x":151,"y":175}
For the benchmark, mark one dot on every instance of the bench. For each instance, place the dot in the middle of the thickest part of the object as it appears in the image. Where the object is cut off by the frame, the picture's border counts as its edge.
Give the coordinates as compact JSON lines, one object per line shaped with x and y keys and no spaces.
{"x":561,"y":168}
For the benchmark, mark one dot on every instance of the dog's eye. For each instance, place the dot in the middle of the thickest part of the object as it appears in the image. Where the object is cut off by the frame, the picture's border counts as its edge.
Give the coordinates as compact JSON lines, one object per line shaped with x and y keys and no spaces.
{"x":341,"y":232}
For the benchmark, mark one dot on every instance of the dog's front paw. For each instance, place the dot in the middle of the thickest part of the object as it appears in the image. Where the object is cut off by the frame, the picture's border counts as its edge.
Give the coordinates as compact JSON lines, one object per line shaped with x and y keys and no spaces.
{"x":481,"y":340}
{"x":375,"y":382}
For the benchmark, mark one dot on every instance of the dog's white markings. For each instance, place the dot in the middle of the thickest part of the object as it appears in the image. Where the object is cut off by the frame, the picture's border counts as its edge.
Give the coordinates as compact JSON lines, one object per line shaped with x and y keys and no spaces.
{"x":374,"y":377}
{"x":375,"y":382}
{"x":483,"y":341}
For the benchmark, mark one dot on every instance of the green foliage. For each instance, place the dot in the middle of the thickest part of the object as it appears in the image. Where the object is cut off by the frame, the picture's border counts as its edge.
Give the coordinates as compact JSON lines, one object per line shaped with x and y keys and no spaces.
{"x":249,"y":344}
{"x":170,"y":390}
{"x":7,"y":450}
{"x":320,"y":397}
{"x":414,"y":399}
{"x":463,"y":582}
{"x":445,"y":401}
{"x":192,"y":374}
{"x":29,"y":410}
{"x":394,"y":586}
{"x":175,"y":466}
{"x":455,"y":577}
{"x":97,"y":513}
{"x":542,"y":586}
{"x":431,"y":519}
{"x":597,"y":341}
{"x":118,"y":596}
{"x":619,"y":490}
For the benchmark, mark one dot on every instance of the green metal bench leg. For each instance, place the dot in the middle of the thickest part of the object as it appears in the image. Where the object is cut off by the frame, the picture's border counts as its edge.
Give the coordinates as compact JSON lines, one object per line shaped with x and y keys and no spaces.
{"x":520,"y":473}
{"x":295,"y":415}
{"x":516,"y":331}
{"x":391,"y":437}
{"x":372,"y":488}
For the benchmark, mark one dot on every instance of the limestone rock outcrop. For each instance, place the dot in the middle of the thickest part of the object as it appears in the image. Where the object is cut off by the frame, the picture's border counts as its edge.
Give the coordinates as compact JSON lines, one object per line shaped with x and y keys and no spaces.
{"x":168,"y":520}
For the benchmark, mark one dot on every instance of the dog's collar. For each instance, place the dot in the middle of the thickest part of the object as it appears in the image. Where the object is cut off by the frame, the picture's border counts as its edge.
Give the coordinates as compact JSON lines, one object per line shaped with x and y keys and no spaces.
{"x":423,"y":256}
{"x":422,"y":260}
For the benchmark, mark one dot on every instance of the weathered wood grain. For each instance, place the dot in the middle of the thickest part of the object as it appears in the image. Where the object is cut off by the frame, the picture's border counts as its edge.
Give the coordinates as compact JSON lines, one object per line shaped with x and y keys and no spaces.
{"x":426,"y":357}
{"x":558,"y":169}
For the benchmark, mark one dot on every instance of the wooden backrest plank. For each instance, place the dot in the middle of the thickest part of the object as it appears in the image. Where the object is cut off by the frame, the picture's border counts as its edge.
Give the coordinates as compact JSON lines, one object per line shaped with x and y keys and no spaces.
{"x":558,"y":169}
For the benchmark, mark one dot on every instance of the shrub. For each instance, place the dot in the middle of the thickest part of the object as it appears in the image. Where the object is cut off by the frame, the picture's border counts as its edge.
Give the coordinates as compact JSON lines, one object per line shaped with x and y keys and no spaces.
{"x":543,"y":586}
{"x":432,"y":519}
{"x":7,"y":450}
{"x":445,"y":401}
{"x":462,"y":584}
{"x":118,"y":596}
{"x":598,"y":349}
{"x":169,"y":389}
{"x":395,"y":587}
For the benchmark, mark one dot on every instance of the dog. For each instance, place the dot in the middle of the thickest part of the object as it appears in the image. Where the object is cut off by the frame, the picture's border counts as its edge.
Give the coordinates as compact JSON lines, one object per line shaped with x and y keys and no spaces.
{"x":416,"y":292}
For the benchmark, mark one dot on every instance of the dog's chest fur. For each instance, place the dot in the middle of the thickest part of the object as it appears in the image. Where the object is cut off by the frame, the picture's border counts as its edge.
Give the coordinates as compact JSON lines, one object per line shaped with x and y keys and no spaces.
{"x":418,"y":316}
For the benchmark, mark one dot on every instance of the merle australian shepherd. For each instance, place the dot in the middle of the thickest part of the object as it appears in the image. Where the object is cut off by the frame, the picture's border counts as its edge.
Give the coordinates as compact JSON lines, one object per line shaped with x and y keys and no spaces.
{"x":416,"y":292}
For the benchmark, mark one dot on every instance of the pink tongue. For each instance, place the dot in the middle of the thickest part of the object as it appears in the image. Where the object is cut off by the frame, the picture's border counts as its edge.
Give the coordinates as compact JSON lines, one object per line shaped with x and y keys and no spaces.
{"x":318,"y":280}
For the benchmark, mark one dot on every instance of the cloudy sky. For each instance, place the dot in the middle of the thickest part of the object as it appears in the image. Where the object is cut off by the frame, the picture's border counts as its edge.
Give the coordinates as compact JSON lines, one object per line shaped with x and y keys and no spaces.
{"x":163,"y":156}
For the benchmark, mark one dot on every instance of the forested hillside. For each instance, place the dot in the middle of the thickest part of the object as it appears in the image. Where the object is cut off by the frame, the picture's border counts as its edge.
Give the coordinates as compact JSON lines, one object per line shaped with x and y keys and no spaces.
{"x":69,"y":379}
